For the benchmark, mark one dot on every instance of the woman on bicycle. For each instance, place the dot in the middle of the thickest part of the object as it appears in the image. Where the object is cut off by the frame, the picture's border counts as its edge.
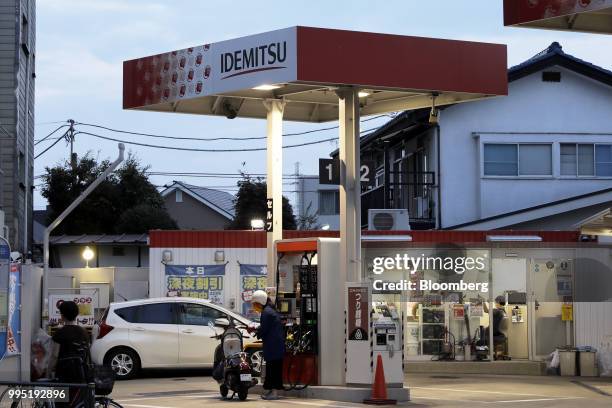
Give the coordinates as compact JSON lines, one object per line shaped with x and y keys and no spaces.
{"x":73,"y":355}
{"x":271,"y":333}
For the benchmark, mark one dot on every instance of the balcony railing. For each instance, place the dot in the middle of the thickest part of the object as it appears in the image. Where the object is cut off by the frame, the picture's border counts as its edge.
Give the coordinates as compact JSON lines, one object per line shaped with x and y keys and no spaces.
{"x":410,"y":191}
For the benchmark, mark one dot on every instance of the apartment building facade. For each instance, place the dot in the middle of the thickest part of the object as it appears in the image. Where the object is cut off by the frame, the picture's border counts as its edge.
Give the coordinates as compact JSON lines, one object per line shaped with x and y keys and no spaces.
{"x":17,"y":78}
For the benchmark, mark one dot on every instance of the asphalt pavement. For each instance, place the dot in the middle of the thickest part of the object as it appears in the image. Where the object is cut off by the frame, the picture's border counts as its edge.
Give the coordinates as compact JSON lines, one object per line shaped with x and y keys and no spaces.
{"x":197,"y":388}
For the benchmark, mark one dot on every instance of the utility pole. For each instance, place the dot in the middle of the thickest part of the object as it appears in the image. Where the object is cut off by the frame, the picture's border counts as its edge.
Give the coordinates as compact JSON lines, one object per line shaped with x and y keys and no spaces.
{"x":296,"y":183}
{"x":70,"y":136}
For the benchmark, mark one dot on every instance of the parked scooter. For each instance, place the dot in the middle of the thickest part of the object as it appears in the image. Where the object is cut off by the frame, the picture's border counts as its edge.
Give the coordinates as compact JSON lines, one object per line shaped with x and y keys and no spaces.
{"x":232,"y":368}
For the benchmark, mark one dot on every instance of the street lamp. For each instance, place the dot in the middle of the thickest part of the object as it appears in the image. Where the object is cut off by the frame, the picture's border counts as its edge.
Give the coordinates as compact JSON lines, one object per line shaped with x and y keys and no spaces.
{"x":257,"y":224}
{"x":88,"y":255}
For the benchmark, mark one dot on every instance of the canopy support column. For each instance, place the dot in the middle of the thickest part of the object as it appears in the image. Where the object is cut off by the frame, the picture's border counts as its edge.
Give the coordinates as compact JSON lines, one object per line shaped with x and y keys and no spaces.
{"x":350,"y":186}
{"x":275,"y":108}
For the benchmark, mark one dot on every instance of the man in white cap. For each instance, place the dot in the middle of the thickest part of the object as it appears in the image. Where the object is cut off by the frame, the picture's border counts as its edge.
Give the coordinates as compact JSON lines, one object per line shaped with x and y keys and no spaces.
{"x":271,"y":332}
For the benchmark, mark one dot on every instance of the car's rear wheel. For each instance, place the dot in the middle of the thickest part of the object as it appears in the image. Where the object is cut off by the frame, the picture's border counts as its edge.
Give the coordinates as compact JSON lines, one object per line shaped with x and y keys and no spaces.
{"x":124,"y":362}
{"x":257,"y":360}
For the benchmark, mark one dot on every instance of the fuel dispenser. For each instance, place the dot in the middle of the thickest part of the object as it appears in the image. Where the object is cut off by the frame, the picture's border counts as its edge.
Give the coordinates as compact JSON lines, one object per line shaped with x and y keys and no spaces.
{"x":373,"y":328}
{"x":309,"y":284}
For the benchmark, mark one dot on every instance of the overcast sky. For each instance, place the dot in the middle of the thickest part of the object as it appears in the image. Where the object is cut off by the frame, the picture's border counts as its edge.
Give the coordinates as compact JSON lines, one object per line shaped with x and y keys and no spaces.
{"x":81,"y":45}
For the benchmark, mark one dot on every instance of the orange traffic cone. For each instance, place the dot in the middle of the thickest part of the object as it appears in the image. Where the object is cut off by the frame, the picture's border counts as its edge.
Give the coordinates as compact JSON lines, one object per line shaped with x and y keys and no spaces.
{"x":379,"y":387}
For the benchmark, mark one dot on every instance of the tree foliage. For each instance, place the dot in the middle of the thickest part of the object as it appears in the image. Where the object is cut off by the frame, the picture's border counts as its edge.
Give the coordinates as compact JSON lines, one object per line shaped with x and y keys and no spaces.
{"x":251,"y":204}
{"x":126,"y":202}
{"x":309,"y":220}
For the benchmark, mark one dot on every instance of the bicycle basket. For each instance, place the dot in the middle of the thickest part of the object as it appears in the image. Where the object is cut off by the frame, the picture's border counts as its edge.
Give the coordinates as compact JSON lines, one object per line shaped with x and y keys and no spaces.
{"x":104,"y":378}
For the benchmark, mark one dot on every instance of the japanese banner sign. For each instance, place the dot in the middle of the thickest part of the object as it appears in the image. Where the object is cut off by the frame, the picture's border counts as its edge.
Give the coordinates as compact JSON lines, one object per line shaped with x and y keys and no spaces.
{"x":269,"y":226}
{"x":358,"y":313}
{"x":87,"y":302}
{"x":5,"y":259}
{"x":13,"y":329}
{"x":197,"y":281}
{"x":252,"y":278}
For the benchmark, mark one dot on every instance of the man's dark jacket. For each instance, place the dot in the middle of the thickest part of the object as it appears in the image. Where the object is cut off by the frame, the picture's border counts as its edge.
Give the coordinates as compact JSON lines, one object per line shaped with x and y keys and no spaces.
{"x":272,"y":334}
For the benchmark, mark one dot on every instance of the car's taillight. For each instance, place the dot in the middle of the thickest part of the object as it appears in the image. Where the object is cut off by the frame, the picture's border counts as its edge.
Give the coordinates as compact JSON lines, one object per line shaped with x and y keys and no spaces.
{"x":104,"y":328}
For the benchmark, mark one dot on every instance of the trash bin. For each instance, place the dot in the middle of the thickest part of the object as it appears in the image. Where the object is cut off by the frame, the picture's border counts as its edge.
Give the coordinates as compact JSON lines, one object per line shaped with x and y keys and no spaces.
{"x":588,"y":365}
{"x":567,"y":362}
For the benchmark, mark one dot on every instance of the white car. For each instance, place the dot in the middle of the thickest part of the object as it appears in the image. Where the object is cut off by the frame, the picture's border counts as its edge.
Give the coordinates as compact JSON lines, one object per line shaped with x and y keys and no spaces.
{"x":169,"y":332}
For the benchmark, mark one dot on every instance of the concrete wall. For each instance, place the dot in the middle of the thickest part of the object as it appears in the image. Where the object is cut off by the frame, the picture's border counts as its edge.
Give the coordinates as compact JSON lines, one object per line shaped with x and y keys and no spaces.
{"x":576,"y":104}
{"x":124,"y":282}
{"x":190,"y":214}
{"x":308,"y":194}
{"x":70,"y":256}
{"x":594,"y":293}
{"x":205,"y":256}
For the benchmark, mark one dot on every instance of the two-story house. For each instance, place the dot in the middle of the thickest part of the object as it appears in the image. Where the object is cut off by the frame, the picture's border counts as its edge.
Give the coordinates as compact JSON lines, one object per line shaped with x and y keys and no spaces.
{"x":198,"y":208}
{"x":540,"y":158}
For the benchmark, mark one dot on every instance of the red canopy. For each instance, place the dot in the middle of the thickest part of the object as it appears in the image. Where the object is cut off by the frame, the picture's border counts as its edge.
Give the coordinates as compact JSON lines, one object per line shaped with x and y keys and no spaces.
{"x":304,"y":66}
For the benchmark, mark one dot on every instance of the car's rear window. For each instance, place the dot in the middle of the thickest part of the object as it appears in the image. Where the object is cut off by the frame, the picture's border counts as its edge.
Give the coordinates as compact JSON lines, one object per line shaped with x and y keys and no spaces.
{"x":154,"y":313}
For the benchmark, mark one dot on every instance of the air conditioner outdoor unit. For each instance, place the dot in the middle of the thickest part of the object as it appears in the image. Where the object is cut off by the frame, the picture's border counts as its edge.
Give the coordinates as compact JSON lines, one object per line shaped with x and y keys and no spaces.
{"x":388,"y":220}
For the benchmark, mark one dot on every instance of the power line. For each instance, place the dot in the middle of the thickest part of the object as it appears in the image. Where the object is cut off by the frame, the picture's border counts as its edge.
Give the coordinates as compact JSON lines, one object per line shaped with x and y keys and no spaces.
{"x":213,"y":139}
{"x":49,"y":135}
{"x":50,"y":123}
{"x":223,"y":176}
{"x":191,"y":149}
{"x":48,"y":148}
{"x":204,"y":175}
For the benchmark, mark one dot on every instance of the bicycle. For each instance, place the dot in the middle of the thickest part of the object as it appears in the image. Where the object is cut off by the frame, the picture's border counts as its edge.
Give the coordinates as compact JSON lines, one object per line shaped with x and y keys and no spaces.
{"x":104,"y":380}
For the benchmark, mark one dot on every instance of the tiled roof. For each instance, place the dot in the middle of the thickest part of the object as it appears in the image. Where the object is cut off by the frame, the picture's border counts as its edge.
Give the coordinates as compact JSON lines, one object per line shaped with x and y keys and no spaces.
{"x":99,"y":239}
{"x":220,"y":200}
{"x":554,"y":55}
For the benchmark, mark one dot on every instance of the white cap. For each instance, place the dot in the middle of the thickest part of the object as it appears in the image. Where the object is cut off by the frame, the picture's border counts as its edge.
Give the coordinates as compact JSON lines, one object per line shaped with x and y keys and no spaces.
{"x":260,"y":296}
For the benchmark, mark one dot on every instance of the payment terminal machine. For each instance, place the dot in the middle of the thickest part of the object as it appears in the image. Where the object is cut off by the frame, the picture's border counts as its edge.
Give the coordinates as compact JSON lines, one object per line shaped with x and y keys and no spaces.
{"x":373,"y":328}
{"x":388,"y":341}
{"x":309,"y":284}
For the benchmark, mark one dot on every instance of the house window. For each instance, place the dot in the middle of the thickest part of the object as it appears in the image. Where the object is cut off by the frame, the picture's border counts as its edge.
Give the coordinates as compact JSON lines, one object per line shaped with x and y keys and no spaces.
{"x":500,"y":160}
{"x":577,"y":159}
{"x":329,"y":202}
{"x":603,"y":160}
{"x":517,"y":159}
{"x":535,"y":160}
{"x":179,"y":196}
{"x":586,"y":159}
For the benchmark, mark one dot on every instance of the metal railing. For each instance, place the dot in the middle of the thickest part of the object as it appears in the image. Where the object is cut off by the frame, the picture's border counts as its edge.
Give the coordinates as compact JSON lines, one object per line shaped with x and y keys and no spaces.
{"x":410,"y":191}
